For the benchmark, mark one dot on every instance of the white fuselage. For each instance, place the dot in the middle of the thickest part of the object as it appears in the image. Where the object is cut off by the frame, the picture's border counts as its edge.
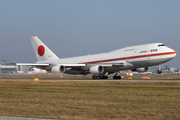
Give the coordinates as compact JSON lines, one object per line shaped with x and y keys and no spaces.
{"x":132,"y":57}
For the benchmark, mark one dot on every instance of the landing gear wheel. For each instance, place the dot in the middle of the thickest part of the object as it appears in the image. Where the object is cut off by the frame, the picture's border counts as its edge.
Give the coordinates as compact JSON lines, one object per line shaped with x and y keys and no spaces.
{"x":158,"y":71}
{"x":116,"y":77}
{"x":104,"y":77}
{"x":99,"y":77}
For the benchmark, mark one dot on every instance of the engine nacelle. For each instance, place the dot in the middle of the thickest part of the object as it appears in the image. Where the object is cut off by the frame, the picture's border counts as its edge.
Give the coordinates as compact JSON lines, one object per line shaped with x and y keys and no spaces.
{"x":144,"y":69}
{"x":58,"y":69}
{"x":96,"y":69}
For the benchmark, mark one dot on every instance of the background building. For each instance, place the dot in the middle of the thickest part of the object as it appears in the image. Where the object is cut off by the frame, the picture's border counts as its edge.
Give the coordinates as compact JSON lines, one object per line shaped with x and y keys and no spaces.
{"x":13,"y":69}
{"x":7,"y":69}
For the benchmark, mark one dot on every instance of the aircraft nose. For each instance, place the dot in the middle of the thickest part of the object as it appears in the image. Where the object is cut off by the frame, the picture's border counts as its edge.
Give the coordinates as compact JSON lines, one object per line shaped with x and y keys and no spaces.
{"x":170,"y":55}
{"x":174,"y":53}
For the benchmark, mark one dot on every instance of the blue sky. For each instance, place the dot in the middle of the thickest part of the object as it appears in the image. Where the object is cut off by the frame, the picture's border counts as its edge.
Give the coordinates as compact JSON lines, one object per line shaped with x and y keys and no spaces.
{"x":76,"y":27}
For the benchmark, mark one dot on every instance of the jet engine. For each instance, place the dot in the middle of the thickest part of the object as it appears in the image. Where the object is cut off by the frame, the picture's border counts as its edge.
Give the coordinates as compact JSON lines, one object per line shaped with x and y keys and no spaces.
{"x":96,"y":69}
{"x":143,"y":69}
{"x":58,"y":69}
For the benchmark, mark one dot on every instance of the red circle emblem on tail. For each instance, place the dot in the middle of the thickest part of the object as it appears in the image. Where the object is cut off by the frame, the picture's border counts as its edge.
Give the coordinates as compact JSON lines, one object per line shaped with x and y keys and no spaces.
{"x":41,"y":50}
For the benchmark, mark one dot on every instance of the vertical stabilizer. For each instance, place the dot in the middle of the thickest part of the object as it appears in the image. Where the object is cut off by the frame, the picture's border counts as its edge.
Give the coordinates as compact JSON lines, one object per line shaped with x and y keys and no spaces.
{"x":43,"y":53}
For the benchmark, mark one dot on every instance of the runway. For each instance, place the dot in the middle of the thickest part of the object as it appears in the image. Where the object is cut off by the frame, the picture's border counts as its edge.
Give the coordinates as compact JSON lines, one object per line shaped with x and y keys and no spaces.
{"x":140,"y":80}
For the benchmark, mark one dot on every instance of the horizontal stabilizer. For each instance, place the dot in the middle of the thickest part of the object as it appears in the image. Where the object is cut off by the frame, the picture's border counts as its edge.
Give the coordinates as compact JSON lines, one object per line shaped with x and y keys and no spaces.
{"x":8,"y":63}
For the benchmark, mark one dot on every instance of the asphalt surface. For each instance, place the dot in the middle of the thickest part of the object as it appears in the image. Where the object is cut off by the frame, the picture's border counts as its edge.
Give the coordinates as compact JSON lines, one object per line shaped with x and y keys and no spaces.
{"x":141,"y":80}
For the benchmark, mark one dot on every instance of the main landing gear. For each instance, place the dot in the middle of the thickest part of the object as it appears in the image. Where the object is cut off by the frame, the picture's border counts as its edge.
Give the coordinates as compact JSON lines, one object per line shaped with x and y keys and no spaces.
{"x":159,"y":71}
{"x":99,"y":77}
{"x":103,"y":76}
{"x":115,"y":77}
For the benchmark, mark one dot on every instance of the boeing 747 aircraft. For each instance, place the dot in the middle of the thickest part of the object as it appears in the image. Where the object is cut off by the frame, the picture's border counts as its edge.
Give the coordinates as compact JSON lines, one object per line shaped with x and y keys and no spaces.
{"x":135,"y":58}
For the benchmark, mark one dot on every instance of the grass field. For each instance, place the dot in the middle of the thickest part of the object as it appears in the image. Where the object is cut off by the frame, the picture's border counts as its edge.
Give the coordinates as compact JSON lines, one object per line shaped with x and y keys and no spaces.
{"x":91,"y":99}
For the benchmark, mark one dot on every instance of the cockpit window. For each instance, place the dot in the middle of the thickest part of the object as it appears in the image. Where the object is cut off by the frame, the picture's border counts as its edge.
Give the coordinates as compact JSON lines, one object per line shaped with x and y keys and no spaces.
{"x":161,"y":45}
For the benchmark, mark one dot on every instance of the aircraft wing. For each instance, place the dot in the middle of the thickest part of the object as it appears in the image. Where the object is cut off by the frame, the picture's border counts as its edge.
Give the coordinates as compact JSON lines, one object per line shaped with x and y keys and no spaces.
{"x":103,"y":65}
{"x":67,"y":65}
{"x":72,"y":65}
{"x":47,"y":65}
{"x":60,"y":68}
{"x":32,"y":64}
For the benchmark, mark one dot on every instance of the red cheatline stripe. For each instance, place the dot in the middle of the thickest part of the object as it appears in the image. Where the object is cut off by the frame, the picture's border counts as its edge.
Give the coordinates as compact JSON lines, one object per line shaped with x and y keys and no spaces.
{"x":132,"y":57}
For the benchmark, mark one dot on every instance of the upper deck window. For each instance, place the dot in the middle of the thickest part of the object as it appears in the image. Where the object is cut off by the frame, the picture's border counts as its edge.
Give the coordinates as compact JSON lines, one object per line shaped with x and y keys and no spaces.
{"x":161,"y":45}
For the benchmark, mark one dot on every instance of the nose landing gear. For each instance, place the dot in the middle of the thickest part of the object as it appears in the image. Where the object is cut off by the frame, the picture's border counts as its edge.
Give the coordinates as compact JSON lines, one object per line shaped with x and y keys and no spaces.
{"x":159,"y":71}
